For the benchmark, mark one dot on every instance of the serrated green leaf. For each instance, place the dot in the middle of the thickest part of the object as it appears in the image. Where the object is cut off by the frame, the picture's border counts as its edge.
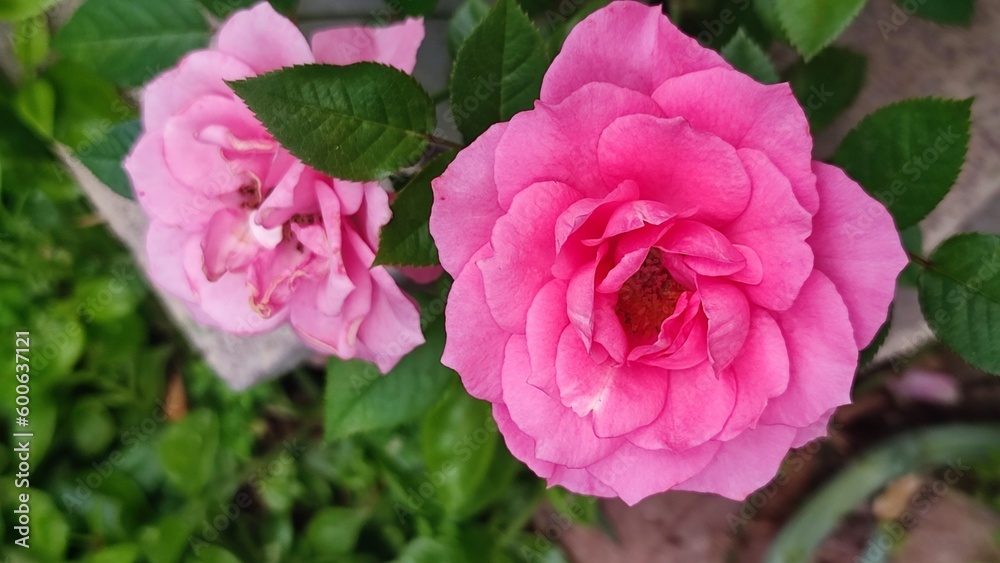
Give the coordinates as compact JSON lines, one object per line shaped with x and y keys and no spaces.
{"x":358,"y":122}
{"x":869,"y":352}
{"x":828,"y":84}
{"x":767,"y":11}
{"x":498,"y":70}
{"x":104,"y":157}
{"x":960,"y":297}
{"x":406,"y":239}
{"x":811,"y":25}
{"x":913,"y":242}
{"x":222,"y":8}
{"x":909,"y":154}
{"x":466,"y":18}
{"x":951,"y":12}
{"x":130,"y":42}
{"x":359,"y":398}
{"x":747,"y":56}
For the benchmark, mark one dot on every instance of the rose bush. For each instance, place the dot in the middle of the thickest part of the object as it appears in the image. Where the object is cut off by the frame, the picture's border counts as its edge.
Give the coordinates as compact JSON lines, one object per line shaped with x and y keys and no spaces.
{"x":247,"y":235}
{"x":656,"y":286}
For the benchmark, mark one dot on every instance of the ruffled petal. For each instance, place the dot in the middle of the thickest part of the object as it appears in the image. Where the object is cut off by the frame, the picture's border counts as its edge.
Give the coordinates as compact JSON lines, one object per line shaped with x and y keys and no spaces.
{"x":394,"y":45}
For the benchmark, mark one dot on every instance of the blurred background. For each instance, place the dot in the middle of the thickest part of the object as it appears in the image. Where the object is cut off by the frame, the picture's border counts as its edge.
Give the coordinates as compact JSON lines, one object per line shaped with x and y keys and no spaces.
{"x":140,"y":452}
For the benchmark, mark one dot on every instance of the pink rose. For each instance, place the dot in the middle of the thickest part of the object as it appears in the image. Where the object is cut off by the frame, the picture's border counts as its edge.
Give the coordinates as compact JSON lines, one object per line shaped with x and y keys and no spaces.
{"x":656,"y":286}
{"x":247,"y":235}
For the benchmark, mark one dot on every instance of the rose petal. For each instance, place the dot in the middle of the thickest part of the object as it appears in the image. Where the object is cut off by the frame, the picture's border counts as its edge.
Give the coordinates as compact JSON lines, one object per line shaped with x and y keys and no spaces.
{"x":394,"y":45}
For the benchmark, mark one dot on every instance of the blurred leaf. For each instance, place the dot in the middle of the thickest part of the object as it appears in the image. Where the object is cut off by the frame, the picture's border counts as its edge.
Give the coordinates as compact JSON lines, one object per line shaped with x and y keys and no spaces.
{"x":908,"y":154}
{"x":168,"y":539}
{"x":92,"y":426}
{"x":498,"y":70}
{"x":357,"y":122}
{"x":30,"y":38}
{"x":953,"y":12}
{"x":960,"y":297}
{"x":359,"y":398}
{"x":49,"y":529}
{"x":333,"y":531}
{"x":913,"y":452}
{"x":88,"y":106}
{"x":465,"y":19}
{"x":813,"y":24}
{"x":427,"y":550}
{"x":213,"y":554}
{"x":187,"y":451}
{"x":15,"y":10}
{"x":406,"y":239}
{"x":121,"y":553}
{"x":458,"y":437}
{"x":828,"y":84}
{"x":105,"y":157}
{"x":36,"y":104}
{"x":869,"y":352}
{"x":767,"y":11}
{"x":130,"y":42}
{"x":747,"y":56}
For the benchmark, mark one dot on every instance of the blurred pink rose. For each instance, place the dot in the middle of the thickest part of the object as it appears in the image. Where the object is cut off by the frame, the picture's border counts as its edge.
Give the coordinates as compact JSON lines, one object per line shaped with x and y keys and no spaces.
{"x":656,"y":286}
{"x":247,"y":235}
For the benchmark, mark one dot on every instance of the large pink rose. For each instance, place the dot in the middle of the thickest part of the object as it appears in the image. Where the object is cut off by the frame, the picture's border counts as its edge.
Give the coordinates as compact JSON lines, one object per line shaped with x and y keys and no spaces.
{"x":656,"y":286}
{"x":247,"y":235}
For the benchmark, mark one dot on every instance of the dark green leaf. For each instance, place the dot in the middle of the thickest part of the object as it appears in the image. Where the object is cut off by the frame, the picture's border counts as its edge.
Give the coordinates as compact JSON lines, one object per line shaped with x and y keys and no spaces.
{"x":88,"y":107}
{"x":746,"y":56}
{"x":953,"y":12}
{"x":359,"y":398}
{"x":869,"y":352}
{"x":129,"y":42}
{"x":458,"y":438}
{"x":813,"y":24}
{"x":767,"y":12}
{"x":913,"y":242}
{"x":427,"y":550}
{"x":30,"y":39}
{"x":104,"y":158}
{"x":121,"y":553}
{"x":333,"y":531}
{"x":498,"y":70}
{"x":93,"y":427}
{"x":222,"y":8}
{"x":187,"y":451}
{"x":358,"y":122}
{"x":36,"y":105}
{"x":466,"y":18}
{"x":909,"y":154}
{"x":828,"y":84}
{"x":415,"y":7}
{"x":960,"y":297}
{"x":406,"y":239}
{"x":213,"y":554}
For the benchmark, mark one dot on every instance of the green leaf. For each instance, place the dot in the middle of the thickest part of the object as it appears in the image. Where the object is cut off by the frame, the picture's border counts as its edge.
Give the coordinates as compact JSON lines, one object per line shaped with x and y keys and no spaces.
{"x":869,"y":352}
{"x":15,"y":10}
{"x":49,"y":529}
{"x":359,"y":122}
{"x":747,"y":56}
{"x":415,"y":7}
{"x":213,"y":554}
{"x":222,"y":8}
{"x":767,"y":11}
{"x":333,"y":531}
{"x":359,"y":398}
{"x":909,"y":154}
{"x":828,"y":84}
{"x":913,"y":242}
{"x":30,"y":38}
{"x":498,"y":70}
{"x":427,"y":550}
{"x":121,"y":553}
{"x":88,"y":107}
{"x":35,"y":103}
{"x":93,"y":427}
{"x":458,"y":438}
{"x":187,"y":451}
{"x":960,"y":297}
{"x":406,"y":239}
{"x":951,"y":12}
{"x":104,"y":158}
{"x":466,"y":18}
{"x":129,"y":42}
{"x":813,"y":24}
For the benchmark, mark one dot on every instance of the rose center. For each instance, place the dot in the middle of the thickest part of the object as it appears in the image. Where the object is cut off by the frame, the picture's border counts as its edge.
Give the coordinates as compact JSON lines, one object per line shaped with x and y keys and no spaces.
{"x":648,"y":297}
